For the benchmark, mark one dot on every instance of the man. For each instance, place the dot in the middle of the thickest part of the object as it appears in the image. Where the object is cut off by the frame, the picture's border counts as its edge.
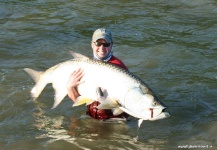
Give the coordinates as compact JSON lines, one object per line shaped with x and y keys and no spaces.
{"x":102,"y":45}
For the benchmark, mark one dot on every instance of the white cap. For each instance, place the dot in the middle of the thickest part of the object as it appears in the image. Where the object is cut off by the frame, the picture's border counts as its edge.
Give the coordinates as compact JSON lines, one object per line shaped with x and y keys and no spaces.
{"x":102,"y":33}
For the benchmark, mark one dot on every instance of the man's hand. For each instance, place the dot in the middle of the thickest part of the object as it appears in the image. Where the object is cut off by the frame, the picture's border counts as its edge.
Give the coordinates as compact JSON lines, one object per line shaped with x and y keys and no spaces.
{"x":75,"y":79}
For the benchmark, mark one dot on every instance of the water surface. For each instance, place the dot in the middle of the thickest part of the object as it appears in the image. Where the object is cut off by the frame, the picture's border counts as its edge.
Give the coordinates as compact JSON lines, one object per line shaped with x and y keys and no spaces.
{"x":171,"y":45}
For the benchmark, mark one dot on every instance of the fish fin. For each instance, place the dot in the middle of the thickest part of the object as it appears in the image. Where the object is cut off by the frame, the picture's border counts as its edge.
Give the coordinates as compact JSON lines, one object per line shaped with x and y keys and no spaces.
{"x":126,"y":110}
{"x":59,"y":96}
{"x":140,"y":122}
{"x":78,"y":55}
{"x":40,"y":83}
{"x":37,"y":89}
{"x":108,"y":103}
{"x":81,"y":100}
{"x":33,"y":73}
{"x":101,"y":94}
{"x":89,"y":102}
{"x":117,"y":111}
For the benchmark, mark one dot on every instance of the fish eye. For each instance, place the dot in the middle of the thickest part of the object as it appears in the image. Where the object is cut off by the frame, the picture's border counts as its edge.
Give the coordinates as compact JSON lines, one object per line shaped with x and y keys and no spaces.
{"x":155,"y":103}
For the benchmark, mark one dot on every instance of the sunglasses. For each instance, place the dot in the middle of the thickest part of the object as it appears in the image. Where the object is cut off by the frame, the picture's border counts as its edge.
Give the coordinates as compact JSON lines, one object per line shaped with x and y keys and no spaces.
{"x":104,"y":44}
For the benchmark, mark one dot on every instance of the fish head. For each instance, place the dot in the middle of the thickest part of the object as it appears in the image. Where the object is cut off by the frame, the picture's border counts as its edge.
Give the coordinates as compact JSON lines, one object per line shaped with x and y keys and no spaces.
{"x":151,"y":108}
{"x":143,"y":104}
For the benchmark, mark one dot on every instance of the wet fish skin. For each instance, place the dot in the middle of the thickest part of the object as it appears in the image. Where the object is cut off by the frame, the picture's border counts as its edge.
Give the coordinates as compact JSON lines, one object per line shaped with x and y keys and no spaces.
{"x":130,"y":93}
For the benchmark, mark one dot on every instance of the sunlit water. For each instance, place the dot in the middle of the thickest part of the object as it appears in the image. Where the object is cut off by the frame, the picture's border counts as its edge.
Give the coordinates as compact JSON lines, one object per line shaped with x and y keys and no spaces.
{"x":171,"y":45}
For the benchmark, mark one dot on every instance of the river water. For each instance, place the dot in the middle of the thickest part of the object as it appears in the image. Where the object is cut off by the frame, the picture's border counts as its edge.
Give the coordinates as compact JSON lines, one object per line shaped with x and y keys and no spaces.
{"x":171,"y":45}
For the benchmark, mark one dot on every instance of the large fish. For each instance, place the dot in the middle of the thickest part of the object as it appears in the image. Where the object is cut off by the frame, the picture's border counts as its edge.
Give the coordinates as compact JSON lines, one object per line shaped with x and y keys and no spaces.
{"x":125,"y":91}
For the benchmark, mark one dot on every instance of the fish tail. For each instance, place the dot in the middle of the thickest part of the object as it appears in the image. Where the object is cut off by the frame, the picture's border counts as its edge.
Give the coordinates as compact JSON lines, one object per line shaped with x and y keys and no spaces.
{"x":40,"y":84}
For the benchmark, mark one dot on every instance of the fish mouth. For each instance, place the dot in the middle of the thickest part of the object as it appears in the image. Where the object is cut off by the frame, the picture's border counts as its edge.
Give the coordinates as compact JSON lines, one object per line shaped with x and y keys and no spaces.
{"x":162,"y":115}
{"x":165,"y":109}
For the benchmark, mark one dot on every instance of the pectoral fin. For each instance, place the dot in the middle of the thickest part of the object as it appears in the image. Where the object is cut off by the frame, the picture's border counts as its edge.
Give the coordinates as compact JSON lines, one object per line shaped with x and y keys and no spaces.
{"x":81,"y":100}
{"x":108,"y":103}
{"x":140,"y":122}
{"x":101,"y":94}
{"x":117,"y":111}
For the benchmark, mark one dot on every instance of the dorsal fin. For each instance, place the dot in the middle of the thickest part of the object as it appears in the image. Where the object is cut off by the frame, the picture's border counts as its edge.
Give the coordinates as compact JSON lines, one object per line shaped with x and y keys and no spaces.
{"x":77,"y":55}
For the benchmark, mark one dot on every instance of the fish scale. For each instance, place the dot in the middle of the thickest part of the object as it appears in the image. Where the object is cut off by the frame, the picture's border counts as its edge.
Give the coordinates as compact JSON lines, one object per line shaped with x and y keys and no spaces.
{"x":123,"y":87}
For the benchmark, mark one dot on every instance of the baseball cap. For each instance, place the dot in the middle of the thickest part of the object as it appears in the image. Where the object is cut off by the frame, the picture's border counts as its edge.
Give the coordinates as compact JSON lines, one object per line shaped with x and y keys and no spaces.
{"x":102,"y":33}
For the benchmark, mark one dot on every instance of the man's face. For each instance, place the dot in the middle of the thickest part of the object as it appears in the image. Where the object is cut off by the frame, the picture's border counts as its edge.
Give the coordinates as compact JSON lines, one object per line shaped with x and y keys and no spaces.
{"x":101,"y":48}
